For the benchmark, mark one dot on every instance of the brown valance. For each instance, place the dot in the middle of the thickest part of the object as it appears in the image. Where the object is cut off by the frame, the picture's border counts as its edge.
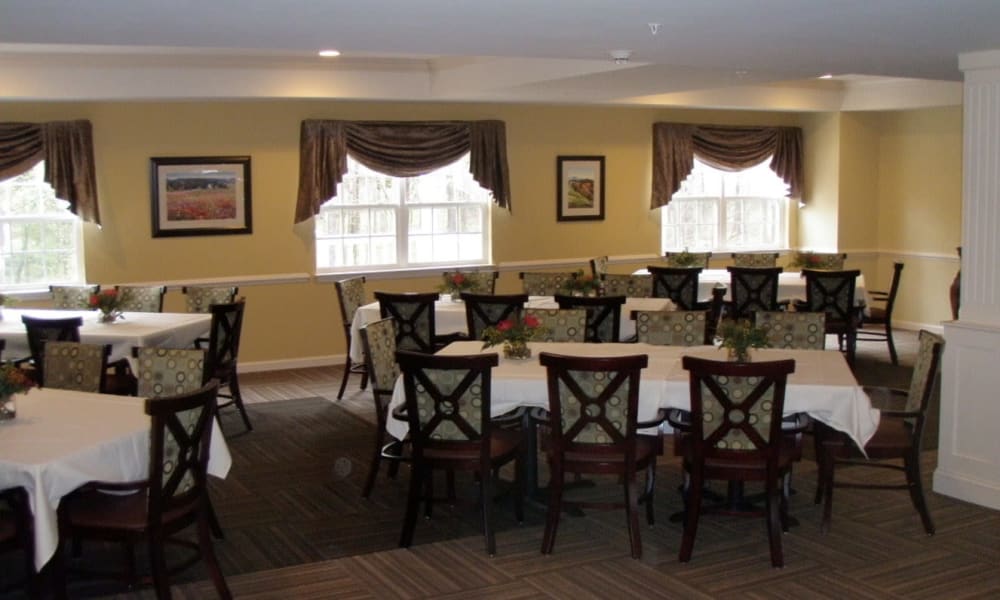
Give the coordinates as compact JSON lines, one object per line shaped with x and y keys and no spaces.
{"x":724,"y":147}
{"x":67,"y":148}
{"x":400,"y":149}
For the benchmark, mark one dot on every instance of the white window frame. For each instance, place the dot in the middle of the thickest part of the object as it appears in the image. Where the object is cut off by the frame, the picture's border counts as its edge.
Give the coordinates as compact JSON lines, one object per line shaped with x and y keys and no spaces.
{"x":402,"y":188}
{"x":7,"y":189}
{"x":720,"y":204}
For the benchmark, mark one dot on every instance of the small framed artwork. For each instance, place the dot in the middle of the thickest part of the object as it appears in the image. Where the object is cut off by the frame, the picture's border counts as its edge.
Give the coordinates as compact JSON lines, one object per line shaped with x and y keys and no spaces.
{"x":580,"y":188}
{"x":203,"y":195}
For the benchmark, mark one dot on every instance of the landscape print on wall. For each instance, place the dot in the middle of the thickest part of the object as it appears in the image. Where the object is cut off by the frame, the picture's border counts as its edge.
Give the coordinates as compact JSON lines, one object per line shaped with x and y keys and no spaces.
{"x":200,"y":195}
{"x":580,"y":195}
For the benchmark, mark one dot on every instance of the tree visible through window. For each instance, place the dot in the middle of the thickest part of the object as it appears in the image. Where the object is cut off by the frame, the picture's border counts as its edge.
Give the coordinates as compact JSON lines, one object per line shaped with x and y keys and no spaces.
{"x":40,"y":239}
{"x":381,"y":222}
{"x":717,"y":210}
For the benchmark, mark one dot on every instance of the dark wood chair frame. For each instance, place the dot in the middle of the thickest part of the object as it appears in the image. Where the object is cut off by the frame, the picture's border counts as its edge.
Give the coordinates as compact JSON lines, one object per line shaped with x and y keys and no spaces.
{"x":752,"y":289}
{"x":350,"y":367}
{"x":478,"y":315}
{"x":824,"y":291}
{"x":600,"y":310}
{"x":222,"y":354}
{"x":882,"y":315}
{"x":39,"y":331}
{"x":679,"y":284}
{"x":16,"y":533}
{"x":391,"y":451}
{"x":408,"y":310}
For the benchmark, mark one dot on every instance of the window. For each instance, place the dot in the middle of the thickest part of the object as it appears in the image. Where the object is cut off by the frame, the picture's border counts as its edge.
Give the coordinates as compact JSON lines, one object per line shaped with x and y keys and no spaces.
{"x":720,"y":211}
{"x":40,"y":239}
{"x":380,"y":222}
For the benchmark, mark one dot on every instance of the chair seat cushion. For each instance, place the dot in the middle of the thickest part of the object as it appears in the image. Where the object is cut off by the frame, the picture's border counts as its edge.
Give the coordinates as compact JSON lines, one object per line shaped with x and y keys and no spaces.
{"x":100,"y":510}
{"x":790,"y":452}
{"x":503,"y":442}
{"x":892,"y":439}
{"x":646,"y":447}
{"x":8,"y":526}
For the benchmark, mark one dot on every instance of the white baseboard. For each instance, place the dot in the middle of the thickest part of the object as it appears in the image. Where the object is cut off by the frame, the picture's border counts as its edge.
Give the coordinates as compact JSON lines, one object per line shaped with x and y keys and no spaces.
{"x":969,"y":489}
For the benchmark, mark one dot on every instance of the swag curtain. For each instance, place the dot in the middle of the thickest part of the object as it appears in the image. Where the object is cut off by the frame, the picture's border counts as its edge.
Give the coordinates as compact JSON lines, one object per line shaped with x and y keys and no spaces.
{"x":724,"y":147}
{"x":398,"y":148}
{"x":67,"y":148}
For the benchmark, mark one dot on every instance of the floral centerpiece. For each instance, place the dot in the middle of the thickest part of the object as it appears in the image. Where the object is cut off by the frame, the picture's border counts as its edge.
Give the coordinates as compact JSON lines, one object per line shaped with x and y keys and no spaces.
{"x":684,"y":259}
{"x":514,"y":334}
{"x":809,"y":260}
{"x":456,"y":283}
{"x":5,"y":300}
{"x":110,"y":303}
{"x":581,"y":284}
{"x":12,"y":381}
{"x":738,"y":336}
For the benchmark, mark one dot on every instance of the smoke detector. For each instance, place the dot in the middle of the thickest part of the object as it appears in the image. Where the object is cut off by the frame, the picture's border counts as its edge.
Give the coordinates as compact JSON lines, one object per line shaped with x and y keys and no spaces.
{"x":621,"y":57}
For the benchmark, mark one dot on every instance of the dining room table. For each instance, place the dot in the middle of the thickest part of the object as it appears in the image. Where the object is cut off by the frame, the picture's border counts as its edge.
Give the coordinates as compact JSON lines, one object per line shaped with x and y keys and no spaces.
{"x":163,"y":329}
{"x":61,"y":439}
{"x":449,"y":317}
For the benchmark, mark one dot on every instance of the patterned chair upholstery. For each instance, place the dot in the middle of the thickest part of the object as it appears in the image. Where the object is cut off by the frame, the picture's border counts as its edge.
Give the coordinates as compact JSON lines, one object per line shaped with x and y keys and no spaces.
{"x":755,"y":259}
{"x":169,"y":371}
{"x":832,"y":292}
{"x":39,"y":331}
{"x":687,"y":259}
{"x":414,"y":316}
{"x":201,"y":299}
{"x":569,"y":325}
{"x":796,"y":330}
{"x":142,"y":298}
{"x":603,"y":315}
{"x":482,"y":282}
{"x":679,"y":284}
{"x":632,"y":286}
{"x":484,"y":310}
{"x":544,"y":284}
{"x":820,"y":260}
{"x":599,"y":266}
{"x":75,"y":366}
{"x":379,"y":340}
{"x":752,"y":289}
{"x":351,"y":294}
{"x":72,"y":297}
{"x":671,"y":327}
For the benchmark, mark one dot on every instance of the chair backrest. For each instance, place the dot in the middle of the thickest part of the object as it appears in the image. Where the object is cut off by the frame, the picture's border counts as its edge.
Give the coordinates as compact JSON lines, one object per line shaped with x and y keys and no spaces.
{"x":680,"y":284}
{"x":670,"y":327}
{"x":925,"y":371}
{"x":593,"y":402}
{"x":480,"y":282}
{"x":414,"y":317}
{"x":794,"y":330}
{"x":752,"y":289}
{"x":755,"y":259}
{"x":485,"y":310}
{"x":168,"y":371}
{"x":632,"y":286}
{"x":200,"y":299}
{"x":351,"y":295}
{"x":568,"y":325}
{"x":141,"y":298}
{"x":736,"y":409}
{"x":687,"y":259}
{"x":180,"y":438}
{"x":604,"y":315}
{"x":379,"y":340}
{"x":448,"y":401}
{"x":75,"y":366}
{"x":224,"y":341}
{"x":40,"y":331}
{"x":832,"y":292}
{"x":820,"y":260}
{"x":544,"y":284}
{"x":72,"y":297}
{"x":599,"y":266}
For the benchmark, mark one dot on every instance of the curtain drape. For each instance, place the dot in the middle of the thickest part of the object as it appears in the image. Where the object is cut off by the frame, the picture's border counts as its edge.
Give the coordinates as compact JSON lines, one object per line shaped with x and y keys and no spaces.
{"x":724,"y":147}
{"x":67,"y":148}
{"x":398,"y":148}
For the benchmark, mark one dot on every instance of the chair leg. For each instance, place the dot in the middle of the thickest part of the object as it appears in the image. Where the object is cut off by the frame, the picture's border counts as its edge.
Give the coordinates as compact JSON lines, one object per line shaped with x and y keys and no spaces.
{"x":648,"y":495}
{"x":772,"y":502}
{"x":211,"y":561}
{"x":692,"y":508}
{"x":632,"y":514}
{"x":213,"y":520}
{"x":347,"y":373}
{"x":783,"y":502}
{"x":892,"y":344}
{"x":375,"y":461}
{"x":554,"y":508}
{"x":158,"y":566}
{"x":826,"y":476}
{"x":916,"y":489}
{"x":412,"y":505}
{"x":486,"y":497}
{"x":428,"y":494}
{"x":234,"y":389}
{"x":519,"y":485}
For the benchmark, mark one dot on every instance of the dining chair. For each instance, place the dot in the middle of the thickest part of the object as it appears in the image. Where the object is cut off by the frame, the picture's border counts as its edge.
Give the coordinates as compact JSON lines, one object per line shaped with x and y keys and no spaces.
{"x":881,"y":316}
{"x":679,"y":284}
{"x":413,"y":314}
{"x":199,"y":299}
{"x":351,"y":297}
{"x":687,"y":259}
{"x":592,"y":428}
{"x":604,"y":314}
{"x":544,"y":284}
{"x":632,"y":286}
{"x":39,"y":331}
{"x":671,"y":327}
{"x":486,"y":310}
{"x":755,"y":259}
{"x":898,"y":438}
{"x":481,"y":282}
{"x":599,"y":266}
{"x":832,"y":292}
{"x":72,"y":297}
{"x":75,"y":366}
{"x":142,"y":298}
{"x":561,"y":325}
{"x":379,"y":341}
{"x":449,"y":414}
{"x":172,"y":498}
{"x":832,"y":261}
{"x":752,"y":289}
{"x":735,"y":434}
{"x":796,"y":330}
{"x":222,"y":353}
{"x":16,"y":523}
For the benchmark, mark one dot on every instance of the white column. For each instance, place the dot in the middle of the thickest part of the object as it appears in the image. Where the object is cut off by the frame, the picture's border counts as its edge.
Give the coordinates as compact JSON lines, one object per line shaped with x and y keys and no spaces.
{"x":969,"y":443}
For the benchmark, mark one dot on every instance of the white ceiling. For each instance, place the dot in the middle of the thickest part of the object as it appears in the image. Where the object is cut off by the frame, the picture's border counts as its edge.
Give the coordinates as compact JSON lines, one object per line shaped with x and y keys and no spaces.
{"x":734,"y":53}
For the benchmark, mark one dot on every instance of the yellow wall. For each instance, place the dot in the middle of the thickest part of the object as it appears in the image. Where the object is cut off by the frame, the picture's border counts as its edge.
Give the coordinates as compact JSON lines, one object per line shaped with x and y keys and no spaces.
{"x":301,"y":320}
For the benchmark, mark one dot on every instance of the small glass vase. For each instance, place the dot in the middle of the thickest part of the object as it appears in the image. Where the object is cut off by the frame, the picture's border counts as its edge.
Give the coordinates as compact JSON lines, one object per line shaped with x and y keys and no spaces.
{"x":7,"y":408}
{"x":456,"y":296}
{"x":740,"y":355}
{"x":109,"y":316}
{"x":516,"y":350}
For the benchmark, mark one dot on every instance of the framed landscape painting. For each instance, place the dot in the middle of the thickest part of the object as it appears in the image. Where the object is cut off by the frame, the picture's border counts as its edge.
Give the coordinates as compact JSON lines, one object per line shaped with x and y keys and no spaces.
{"x":204,"y":195}
{"x":580,"y":193}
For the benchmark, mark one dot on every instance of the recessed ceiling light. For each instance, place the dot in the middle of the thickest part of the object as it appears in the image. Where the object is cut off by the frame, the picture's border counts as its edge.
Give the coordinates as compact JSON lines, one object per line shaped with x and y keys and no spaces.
{"x":329,"y":53}
{"x":826,"y":76}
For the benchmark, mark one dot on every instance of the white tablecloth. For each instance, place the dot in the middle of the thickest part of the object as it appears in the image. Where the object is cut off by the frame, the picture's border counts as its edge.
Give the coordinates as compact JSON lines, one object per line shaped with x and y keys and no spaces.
{"x":167,"y":330}
{"x":449,"y":317}
{"x":822,"y":385}
{"x":63,"y":439}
